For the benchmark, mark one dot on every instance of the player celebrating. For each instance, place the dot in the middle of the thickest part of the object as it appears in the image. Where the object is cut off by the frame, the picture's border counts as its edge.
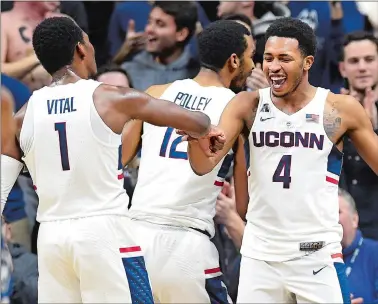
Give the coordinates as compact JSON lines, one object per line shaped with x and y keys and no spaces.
{"x":69,"y":133}
{"x":291,"y":245}
{"x":173,"y":207}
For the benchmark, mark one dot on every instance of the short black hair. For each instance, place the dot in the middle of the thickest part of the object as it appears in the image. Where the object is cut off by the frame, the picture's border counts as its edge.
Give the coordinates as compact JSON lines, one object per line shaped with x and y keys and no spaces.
{"x":112,"y":67}
{"x":184,"y":12}
{"x":357,"y":36}
{"x":218,"y":41}
{"x":54,"y":42}
{"x":294,"y":28}
{"x":239,"y":17}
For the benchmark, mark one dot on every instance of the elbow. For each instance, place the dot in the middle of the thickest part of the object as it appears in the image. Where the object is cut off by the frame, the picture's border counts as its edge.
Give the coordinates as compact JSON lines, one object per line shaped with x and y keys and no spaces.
{"x":203,"y":124}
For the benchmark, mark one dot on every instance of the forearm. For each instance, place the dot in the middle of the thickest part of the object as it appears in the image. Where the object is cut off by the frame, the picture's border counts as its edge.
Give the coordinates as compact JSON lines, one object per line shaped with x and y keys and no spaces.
{"x":20,"y":68}
{"x":200,"y":163}
{"x":235,"y":227}
{"x":10,"y":169}
{"x":122,"y":54}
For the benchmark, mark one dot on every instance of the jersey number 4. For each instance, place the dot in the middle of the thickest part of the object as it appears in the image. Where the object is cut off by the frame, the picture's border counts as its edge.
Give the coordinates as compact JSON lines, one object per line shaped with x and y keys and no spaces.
{"x":282,"y":173}
{"x":62,"y":134}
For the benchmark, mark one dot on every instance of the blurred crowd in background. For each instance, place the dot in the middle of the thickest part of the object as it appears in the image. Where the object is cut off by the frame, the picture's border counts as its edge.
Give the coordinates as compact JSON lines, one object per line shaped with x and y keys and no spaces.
{"x":139,"y":44}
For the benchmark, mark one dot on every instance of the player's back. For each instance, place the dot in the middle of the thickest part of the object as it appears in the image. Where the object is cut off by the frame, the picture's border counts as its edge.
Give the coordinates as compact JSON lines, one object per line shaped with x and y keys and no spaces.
{"x":72,"y":156}
{"x":293,"y":185}
{"x":167,"y":191}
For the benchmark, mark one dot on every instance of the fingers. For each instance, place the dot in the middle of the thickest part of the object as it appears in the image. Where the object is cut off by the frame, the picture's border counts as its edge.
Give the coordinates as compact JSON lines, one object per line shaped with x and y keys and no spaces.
{"x":344,"y":91}
{"x":180,"y":132}
{"x":131,"y":26}
{"x":258,"y":66}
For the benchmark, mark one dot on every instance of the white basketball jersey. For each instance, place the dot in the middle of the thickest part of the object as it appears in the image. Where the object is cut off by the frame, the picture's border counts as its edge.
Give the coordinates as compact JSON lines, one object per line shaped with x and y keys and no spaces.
{"x":293,"y":182}
{"x":72,"y":156}
{"x":168,"y":192}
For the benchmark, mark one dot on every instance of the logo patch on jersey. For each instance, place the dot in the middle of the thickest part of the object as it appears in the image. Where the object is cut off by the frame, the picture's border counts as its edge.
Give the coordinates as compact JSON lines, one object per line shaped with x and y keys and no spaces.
{"x":316,"y":272}
{"x":311,"y":246}
{"x":265,"y":112}
{"x":265,"y":108}
{"x":312,"y":118}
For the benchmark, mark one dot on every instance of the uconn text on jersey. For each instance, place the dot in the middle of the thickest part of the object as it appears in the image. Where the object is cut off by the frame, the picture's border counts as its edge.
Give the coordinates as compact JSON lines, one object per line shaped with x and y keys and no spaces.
{"x":60,"y":106}
{"x":288,"y":139}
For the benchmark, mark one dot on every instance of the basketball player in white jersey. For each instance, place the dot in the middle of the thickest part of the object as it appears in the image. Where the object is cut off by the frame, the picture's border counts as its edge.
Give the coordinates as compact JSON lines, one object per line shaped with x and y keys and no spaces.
{"x":70,"y":137}
{"x":291,"y":246}
{"x":173,"y":208}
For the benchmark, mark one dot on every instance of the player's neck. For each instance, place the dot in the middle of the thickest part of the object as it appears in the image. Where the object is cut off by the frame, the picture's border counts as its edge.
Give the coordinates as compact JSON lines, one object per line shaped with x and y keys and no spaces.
{"x":66,"y":75}
{"x":207,"y":78}
{"x":28,"y":9}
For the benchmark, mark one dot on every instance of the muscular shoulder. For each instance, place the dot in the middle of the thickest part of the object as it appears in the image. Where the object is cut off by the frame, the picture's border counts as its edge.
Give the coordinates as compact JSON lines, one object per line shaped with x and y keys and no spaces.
{"x":340,"y":115}
{"x":246,"y":103}
{"x":157,"y":90}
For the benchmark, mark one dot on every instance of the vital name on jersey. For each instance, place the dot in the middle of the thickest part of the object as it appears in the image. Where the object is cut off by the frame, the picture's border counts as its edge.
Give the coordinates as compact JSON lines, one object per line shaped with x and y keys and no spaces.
{"x":191,"y":102}
{"x":60,"y":106}
{"x":287,"y":139}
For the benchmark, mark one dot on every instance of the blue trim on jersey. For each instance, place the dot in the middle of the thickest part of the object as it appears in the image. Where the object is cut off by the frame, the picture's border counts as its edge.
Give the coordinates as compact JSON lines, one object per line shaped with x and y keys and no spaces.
{"x":137,"y":276}
{"x":335,"y":161}
{"x":226,"y":164}
{"x":343,"y":281}
{"x":216,"y":290}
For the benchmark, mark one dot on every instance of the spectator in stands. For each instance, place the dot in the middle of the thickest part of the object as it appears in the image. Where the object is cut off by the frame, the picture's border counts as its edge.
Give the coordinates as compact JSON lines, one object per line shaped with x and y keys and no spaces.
{"x":327,"y":20}
{"x":135,"y":15}
{"x":360,"y":254}
{"x":25,"y":271}
{"x":359,"y":67}
{"x":165,"y":59}
{"x":242,"y":19}
{"x":17,"y":55}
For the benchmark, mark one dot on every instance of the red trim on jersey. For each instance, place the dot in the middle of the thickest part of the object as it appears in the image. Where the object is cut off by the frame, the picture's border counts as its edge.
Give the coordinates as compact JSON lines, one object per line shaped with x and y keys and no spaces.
{"x":35,"y":187}
{"x":332,"y":180}
{"x":218,"y":183}
{"x":130,"y":249}
{"x":120,"y":176}
{"x":212,"y":270}
{"x":337,"y":255}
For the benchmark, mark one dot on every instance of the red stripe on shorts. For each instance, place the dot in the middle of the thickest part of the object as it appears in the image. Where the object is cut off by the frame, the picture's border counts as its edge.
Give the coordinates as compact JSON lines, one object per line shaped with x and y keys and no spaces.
{"x":130,"y":249}
{"x":212,"y":270}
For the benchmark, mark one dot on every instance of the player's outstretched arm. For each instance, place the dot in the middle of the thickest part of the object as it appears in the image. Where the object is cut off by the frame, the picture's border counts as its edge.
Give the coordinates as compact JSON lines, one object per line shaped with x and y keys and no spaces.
{"x":123,"y":104}
{"x":10,"y":150}
{"x":234,"y":119}
{"x":360,"y":131}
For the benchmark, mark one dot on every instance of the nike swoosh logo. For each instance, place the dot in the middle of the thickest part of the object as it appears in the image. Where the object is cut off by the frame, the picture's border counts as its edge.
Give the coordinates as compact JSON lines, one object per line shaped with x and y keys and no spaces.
{"x":316,"y":272}
{"x":263,"y":119}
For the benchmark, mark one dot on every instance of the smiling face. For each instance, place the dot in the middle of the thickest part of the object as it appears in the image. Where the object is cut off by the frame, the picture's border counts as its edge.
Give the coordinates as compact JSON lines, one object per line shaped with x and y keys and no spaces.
{"x":360,"y":65}
{"x":285,"y":65}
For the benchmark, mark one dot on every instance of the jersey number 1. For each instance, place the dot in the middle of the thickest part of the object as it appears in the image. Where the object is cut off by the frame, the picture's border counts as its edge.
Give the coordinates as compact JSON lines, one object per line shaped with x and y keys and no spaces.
{"x":61,"y":128}
{"x":282,"y":173}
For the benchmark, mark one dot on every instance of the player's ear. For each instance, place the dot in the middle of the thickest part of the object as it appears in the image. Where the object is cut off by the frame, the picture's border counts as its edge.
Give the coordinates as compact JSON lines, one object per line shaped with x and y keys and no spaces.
{"x":308,"y":62}
{"x":234,"y":61}
{"x":80,"y":49}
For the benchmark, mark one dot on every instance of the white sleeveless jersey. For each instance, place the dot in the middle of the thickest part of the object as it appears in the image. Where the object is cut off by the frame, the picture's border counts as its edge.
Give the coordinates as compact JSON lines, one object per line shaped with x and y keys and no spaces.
{"x":293,"y":182}
{"x":167,"y":191}
{"x":72,"y":156}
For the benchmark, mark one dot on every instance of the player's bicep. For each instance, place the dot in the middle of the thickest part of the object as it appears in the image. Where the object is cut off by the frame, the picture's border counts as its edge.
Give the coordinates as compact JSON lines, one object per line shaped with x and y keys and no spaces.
{"x":232,"y":120}
{"x":360,"y":131}
{"x":131,"y":138}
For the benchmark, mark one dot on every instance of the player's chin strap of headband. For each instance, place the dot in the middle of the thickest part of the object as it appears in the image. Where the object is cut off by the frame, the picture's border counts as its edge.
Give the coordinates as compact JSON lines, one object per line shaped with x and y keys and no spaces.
{"x":10,"y":169}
